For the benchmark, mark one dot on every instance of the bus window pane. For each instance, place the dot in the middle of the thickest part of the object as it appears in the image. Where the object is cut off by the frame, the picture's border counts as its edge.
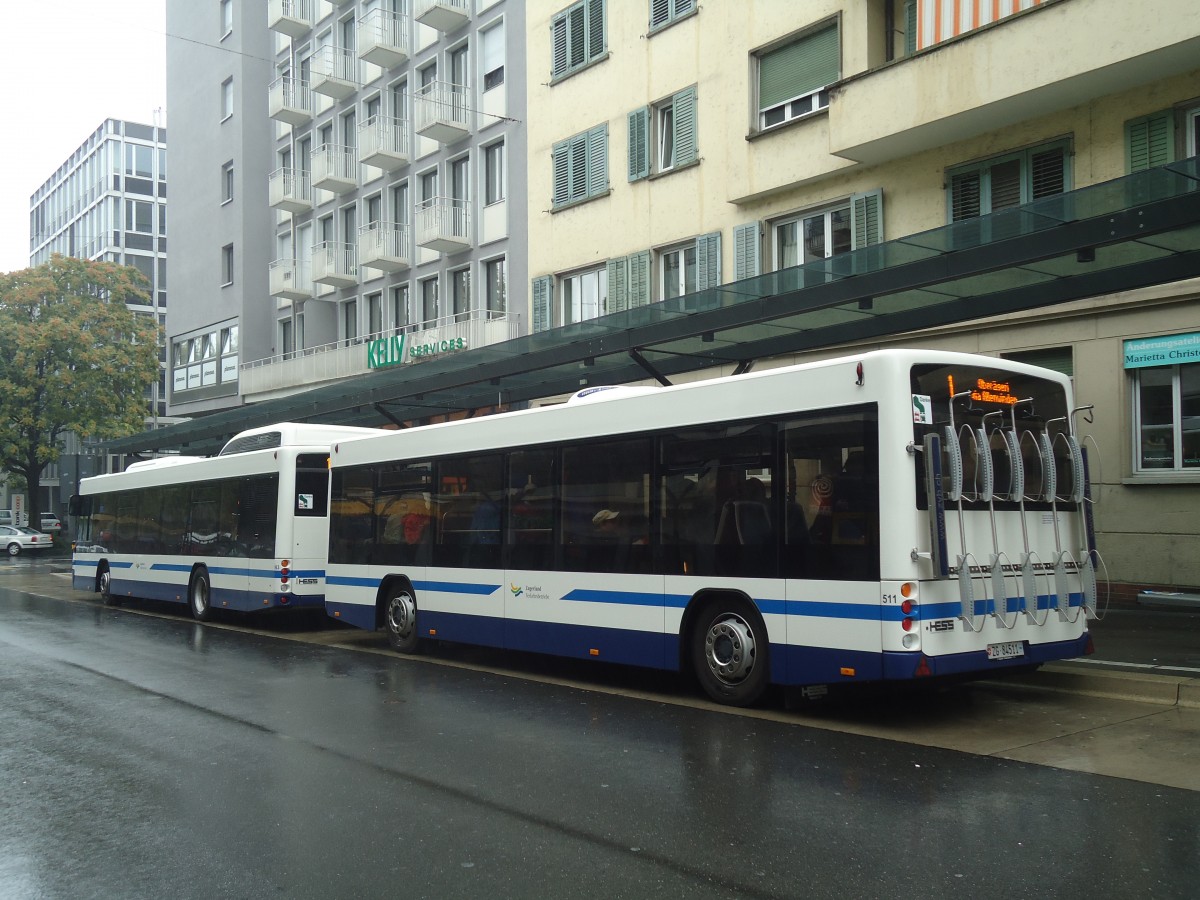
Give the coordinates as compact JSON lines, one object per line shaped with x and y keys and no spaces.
{"x":719,"y":515}
{"x":149,"y":517}
{"x":606,"y":507}
{"x":403,"y":514}
{"x":259,"y":514}
{"x":831,"y":511}
{"x":532,"y":505}
{"x":312,"y":485}
{"x":352,"y":515}
{"x":174,"y":519}
{"x":124,"y":530}
{"x":467,"y":501}
{"x":205,"y":518}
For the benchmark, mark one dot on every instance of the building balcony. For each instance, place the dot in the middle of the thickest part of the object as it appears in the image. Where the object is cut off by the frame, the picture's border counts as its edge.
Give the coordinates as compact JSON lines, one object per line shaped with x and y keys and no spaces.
{"x":444,"y":225}
{"x":290,"y":190}
{"x":384,"y":246}
{"x":289,"y":279}
{"x":334,"y":264}
{"x":444,"y":15}
{"x":291,"y":17}
{"x":289,"y":100}
{"x":334,"y":168}
{"x":383,"y":142}
{"x":383,"y":38}
{"x":907,"y":107}
{"x":442,"y":112}
{"x":334,"y":72}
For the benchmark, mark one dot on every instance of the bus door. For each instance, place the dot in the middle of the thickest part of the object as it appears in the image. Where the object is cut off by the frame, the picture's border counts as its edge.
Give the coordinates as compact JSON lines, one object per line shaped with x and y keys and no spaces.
{"x":303,"y":537}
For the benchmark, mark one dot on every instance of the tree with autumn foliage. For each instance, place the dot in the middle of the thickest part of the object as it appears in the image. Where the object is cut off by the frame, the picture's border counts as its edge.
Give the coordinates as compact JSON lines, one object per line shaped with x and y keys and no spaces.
{"x":73,"y":358}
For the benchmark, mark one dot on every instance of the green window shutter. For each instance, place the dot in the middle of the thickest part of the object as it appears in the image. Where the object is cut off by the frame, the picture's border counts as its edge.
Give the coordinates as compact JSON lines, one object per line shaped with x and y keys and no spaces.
{"x":618,"y":285}
{"x":561,"y":164}
{"x":558,"y":41}
{"x":799,"y":67}
{"x":660,"y":12}
{"x":965,"y":194}
{"x":597,"y":160}
{"x":708,"y":261}
{"x":867,"y":219}
{"x":595,"y":29}
{"x":1060,"y":359}
{"x":543,"y":296}
{"x":684,"y":106}
{"x":639,"y":143}
{"x":1150,"y":141}
{"x":578,"y":152}
{"x":746,"y":251}
{"x":577,"y":35}
{"x":910,"y":27}
{"x":639,"y":278}
{"x":679,"y":7}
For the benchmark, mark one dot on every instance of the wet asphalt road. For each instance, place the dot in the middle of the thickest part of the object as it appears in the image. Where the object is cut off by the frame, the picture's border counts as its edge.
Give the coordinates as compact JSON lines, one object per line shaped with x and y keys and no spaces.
{"x":152,"y":757}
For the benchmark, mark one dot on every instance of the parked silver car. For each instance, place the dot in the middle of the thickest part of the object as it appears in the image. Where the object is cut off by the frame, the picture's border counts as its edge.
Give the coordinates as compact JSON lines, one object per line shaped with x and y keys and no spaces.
{"x":50,"y":524}
{"x":17,"y":539}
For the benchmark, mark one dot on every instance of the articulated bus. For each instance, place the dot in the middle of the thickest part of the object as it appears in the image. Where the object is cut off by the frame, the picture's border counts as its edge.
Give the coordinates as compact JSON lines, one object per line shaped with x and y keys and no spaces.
{"x":882,"y":517}
{"x":244,"y":530}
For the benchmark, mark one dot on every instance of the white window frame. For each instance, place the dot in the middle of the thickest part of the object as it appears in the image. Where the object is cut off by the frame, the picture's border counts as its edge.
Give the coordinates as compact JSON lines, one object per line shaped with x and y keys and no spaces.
{"x":804,"y":104}
{"x":227,"y":183}
{"x":349,"y":317}
{"x":1191,"y":119}
{"x":227,"y":265}
{"x":227,"y":99}
{"x":492,"y":54}
{"x":1178,"y":420}
{"x":495,"y":173}
{"x":492,"y":307}
{"x":573,"y":304}
{"x":798,"y":219}
{"x":226,"y":20}
{"x":677,"y":285}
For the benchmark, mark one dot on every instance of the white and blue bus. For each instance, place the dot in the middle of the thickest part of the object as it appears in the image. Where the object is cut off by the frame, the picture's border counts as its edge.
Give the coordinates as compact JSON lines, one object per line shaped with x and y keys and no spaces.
{"x":244,"y":530}
{"x":881,"y":517}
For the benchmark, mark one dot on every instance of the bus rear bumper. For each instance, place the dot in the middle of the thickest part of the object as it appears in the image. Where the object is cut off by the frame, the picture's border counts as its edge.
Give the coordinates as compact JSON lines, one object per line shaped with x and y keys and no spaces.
{"x":907,"y":666}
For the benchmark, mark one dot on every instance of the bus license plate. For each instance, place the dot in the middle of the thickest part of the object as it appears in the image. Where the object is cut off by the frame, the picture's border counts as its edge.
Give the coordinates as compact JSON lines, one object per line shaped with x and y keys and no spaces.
{"x":1007,"y":650}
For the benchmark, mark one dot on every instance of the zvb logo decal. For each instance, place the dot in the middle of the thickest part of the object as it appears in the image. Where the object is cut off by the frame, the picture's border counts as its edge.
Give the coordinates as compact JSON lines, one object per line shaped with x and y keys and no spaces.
{"x":516,"y":591}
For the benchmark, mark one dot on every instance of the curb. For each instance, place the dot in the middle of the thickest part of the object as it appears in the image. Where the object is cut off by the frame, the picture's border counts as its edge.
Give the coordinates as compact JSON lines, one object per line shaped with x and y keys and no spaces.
{"x":1161,"y":690}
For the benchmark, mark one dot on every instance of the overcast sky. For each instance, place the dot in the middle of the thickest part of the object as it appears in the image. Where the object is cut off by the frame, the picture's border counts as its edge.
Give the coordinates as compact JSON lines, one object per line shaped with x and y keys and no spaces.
{"x":67,"y":66}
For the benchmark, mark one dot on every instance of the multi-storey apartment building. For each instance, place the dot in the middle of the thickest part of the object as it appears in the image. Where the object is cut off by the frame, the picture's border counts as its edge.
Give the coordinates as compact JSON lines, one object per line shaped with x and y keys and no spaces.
{"x":107,"y":201}
{"x":680,"y":146}
{"x":390,"y":185}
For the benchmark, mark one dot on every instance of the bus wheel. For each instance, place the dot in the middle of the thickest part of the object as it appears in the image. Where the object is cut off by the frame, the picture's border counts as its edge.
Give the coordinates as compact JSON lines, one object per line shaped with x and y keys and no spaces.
{"x":104,"y":587}
{"x":400,"y":619}
{"x":200,"y":596}
{"x":729,"y":651}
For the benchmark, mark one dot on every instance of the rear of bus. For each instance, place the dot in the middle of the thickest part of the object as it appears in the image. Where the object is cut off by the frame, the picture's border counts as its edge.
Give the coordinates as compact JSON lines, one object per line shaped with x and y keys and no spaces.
{"x":1000,"y":556}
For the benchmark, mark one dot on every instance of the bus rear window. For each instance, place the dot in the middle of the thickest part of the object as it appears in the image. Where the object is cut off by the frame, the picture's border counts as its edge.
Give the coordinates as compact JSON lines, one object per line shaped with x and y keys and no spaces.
{"x":312,"y":485}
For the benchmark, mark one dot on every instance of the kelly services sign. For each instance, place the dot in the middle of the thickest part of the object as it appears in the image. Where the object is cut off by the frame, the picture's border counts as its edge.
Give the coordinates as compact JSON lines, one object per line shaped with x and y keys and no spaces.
{"x":1163,"y":351}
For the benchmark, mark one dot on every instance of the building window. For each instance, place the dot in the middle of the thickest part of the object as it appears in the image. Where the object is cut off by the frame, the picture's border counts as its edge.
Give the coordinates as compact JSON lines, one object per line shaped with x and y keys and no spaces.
{"x":429,"y":302}
{"x":400,"y":316}
{"x":162,"y":219}
{"x":460,"y":294}
{"x":812,"y":236}
{"x":227,"y":182}
{"x":580,"y":166}
{"x":1192,"y":124}
{"x":287,"y":343}
{"x":578,"y":37}
{"x":496,"y":286}
{"x":493,"y":173}
{"x":1006,"y":181}
{"x":491,"y":55}
{"x":1167,"y":412}
{"x":227,"y":264}
{"x":350,"y":321}
{"x":669,"y":127}
{"x":139,"y":216}
{"x":139,"y":161}
{"x":375,"y":314}
{"x":664,"y":12}
{"x":226,"y":17}
{"x":677,"y":271}
{"x":226,"y":99}
{"x":583,"y":295}
{"x":793,"y":78}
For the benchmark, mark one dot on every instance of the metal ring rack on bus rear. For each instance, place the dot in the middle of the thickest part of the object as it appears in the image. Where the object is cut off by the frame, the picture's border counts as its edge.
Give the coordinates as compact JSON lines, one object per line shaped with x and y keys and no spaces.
{"x":996,"y":563}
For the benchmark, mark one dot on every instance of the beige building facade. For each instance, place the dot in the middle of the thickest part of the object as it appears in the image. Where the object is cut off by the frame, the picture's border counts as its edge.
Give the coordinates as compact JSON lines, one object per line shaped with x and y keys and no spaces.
{"x":676,"y":146}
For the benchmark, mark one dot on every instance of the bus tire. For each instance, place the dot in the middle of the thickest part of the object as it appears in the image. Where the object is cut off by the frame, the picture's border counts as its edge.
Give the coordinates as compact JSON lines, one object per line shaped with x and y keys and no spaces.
{"x":104,"y":586}
{"x":400,"y":618}
{"x":729,"y":651}
{"x":200,"y":595}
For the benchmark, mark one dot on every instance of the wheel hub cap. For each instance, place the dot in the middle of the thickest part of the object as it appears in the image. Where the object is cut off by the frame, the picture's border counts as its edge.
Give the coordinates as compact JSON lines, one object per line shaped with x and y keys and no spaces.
{"x":729,"y":649}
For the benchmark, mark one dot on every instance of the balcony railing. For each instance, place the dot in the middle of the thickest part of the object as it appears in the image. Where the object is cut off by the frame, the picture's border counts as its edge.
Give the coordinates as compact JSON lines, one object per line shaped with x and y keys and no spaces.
{"x":334,"y":72}
{"x":442,"y":111}
{"x":289,"y":100}
{"x":384,"y":246}
{"x":444,"y":15}
{"x":289,"y":279}
{"x":334,"y":263}
{"x":291,"y":17}
{"x":290,"y":190}
{"x":334,"y":168}
{"x":300,"y":370}
{"x":383,"y":38}
{"x":444,"y":224}
{"x":383,"y":142}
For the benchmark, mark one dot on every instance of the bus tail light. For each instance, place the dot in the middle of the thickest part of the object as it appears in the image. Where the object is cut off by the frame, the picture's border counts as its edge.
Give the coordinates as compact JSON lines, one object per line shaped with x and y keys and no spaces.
{"x":283,"y":572}
{"x":922,"y":670}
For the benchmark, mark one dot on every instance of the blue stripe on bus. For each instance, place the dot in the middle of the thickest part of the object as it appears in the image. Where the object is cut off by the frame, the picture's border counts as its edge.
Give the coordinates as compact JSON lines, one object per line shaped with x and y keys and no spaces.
{"x":951,"y":609}
{"x":440,"y":587}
